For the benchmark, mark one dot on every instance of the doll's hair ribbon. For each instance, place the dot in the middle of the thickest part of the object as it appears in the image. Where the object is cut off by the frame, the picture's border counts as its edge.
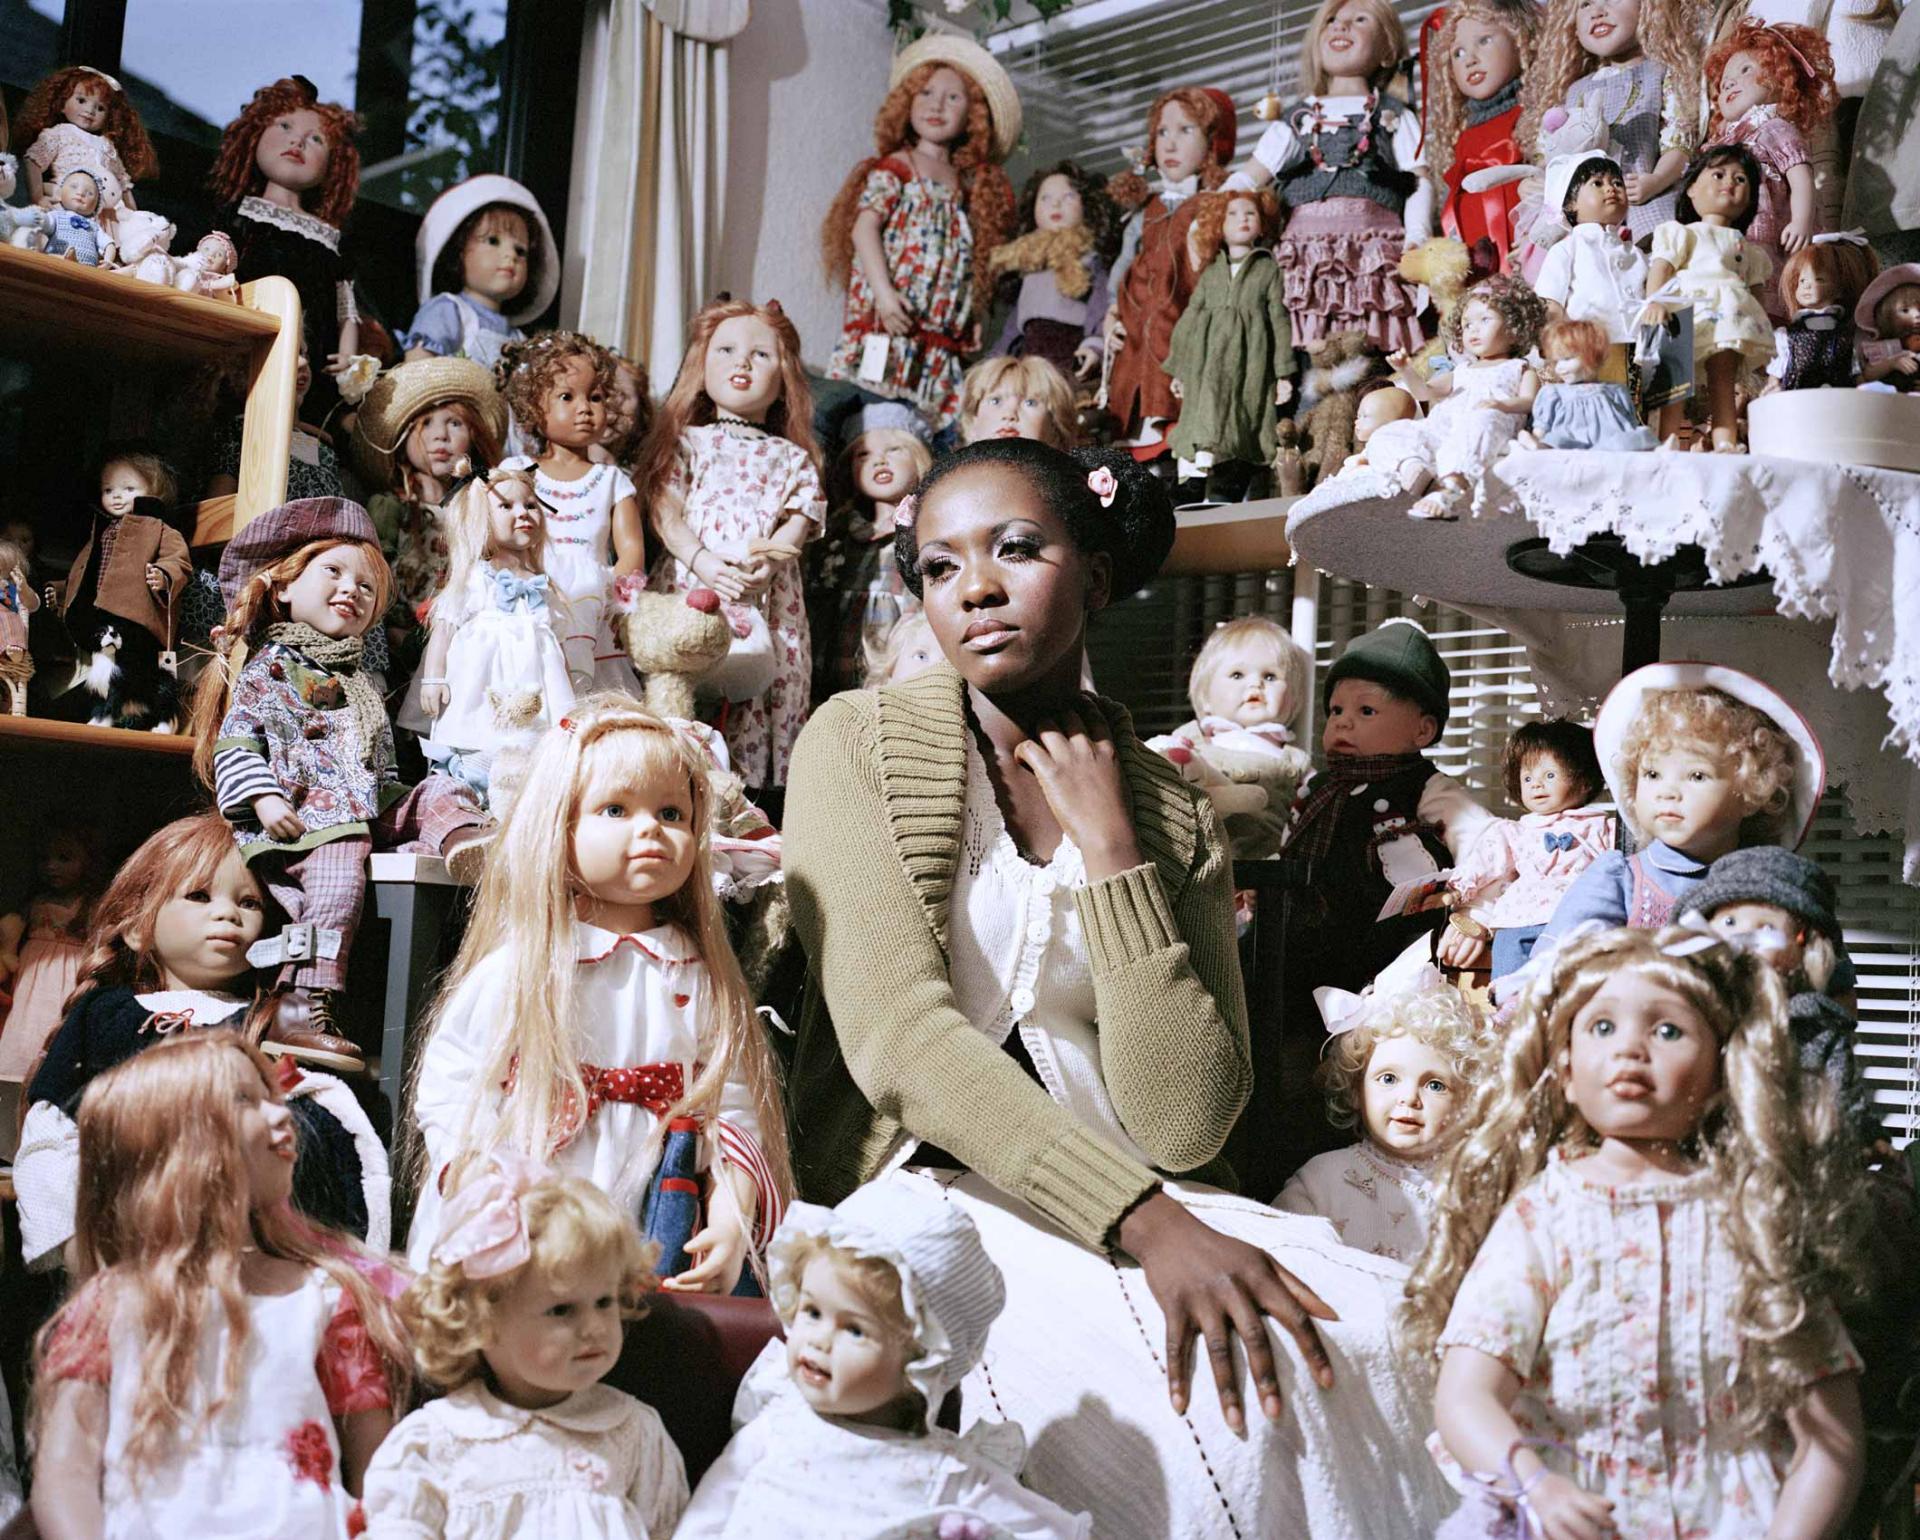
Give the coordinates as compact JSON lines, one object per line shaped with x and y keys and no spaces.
{"x":1853,"y":237}
{"x":1752,"y":25}
{"x":484,"y":1231}
{"x":1764,"y":941}
{"x":1342,"y":1010}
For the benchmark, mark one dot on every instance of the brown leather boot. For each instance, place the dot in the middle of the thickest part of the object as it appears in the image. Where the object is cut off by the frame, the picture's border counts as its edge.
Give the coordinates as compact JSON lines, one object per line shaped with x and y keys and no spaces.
{"x":302,"y":1028}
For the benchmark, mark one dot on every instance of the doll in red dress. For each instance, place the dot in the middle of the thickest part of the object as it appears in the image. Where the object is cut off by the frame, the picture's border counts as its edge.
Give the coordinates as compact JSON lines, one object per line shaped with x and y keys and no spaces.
{"x":1475,"y":57}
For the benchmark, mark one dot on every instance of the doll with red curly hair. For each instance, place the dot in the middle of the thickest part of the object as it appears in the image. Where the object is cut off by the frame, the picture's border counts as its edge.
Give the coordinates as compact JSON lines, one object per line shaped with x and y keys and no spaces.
{"x":1771,"y":85}
{"x":286,"y":176}
{"x":78,"y":119}
{"x":910,"y":230}
{"x":733,"y":481}
{"x":1190,"y":138}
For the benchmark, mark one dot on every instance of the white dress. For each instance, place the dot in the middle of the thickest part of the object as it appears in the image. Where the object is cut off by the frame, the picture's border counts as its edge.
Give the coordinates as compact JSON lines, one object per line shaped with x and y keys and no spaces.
{"x":580,"y":561}
{"x":599,"y":1466}
{"x":1376,"y":1202}
{"x":269,"y":1463}
{"x":1596,"y":276}
{"x":1462,"y":435}
{"x":1076,"y":1357}
{"x":637,"y":1001}
{"x":503,"y":644}
{"x":791,"y":1474}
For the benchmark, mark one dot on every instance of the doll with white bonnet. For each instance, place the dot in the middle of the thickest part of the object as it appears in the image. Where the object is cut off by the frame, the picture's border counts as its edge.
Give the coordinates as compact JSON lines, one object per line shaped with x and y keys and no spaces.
{"x":487,"y":265}
{"x":887,"y":1300}
{"x":1402,"y":1062}
{"x":518,"y":1315}
{"x":1247,"y":687}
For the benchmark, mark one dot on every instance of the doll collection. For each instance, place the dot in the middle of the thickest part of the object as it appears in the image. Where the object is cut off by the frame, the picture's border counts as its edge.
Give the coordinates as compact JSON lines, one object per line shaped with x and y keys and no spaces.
{"x":521,"y":616}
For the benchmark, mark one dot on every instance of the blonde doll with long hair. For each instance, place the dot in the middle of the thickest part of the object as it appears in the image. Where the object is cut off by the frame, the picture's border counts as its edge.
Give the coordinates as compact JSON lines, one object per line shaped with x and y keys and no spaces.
{"x":1484,"y":50}
{"x":226,"y":1366}
{"x":518,"y":1316}
{"x":596,"y":1002}
{"x":494,"y":672}
{"x":909,"y":232}
{"x":733,"y":479}
{"x":1634,"y":1266}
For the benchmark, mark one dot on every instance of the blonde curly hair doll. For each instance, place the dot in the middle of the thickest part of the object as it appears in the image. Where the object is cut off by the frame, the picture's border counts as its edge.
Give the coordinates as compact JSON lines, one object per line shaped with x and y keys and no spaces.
{"x":1635,"y":1260}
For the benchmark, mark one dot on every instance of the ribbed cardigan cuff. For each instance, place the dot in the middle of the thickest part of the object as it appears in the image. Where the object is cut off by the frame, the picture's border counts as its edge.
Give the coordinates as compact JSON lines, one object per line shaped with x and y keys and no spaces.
{"x":1086,"y":1186}
{"x":1126,"y":917}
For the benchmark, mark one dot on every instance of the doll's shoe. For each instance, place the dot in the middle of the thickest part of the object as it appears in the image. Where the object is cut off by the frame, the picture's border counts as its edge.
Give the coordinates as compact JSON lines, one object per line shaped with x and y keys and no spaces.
{"x":466,"y":852}
{"x":302,"y":1028}
{"x":1445,"y":504}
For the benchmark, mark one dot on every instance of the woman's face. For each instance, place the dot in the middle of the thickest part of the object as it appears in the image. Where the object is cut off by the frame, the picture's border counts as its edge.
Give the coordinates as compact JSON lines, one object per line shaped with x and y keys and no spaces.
{"x":1351,"y":43}
{"x":1609,"y":29}
{"x":938,"y":113}
{"x":1485,"y":57}
{"x":1057,"y":205}
{"x":1006,"y":589}
{"x":294,"y":151}
{"x":1179,"y":143}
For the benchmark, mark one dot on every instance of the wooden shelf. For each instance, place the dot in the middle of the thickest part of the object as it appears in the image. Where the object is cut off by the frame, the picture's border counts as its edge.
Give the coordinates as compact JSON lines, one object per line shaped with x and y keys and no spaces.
{"x":1230,"y":539}
{"x":22,"y":733}
{"x":72,"y":307}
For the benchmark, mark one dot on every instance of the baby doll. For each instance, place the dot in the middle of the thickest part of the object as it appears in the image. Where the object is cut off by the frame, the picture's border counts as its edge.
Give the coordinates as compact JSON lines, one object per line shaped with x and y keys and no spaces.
{"x":293,"y":740}
{"x":414,"y":427}
{"x":1771,"y":86}
{"x":79,"y":119}
{"x":886,"y":1300}
{"x":120,"y":596}
{"x":1345,"y":159}
{"x":855,"y":592}
{"x":1782,"y":905}
{"x":493,"y":629}
{"x":17,"y":602}
{"x":910,"y":230}
{"x":518,"y":1315}
{"x":1575,"y":408}
{"x":1472,"y":110}
{"x":557,"y":385}
{"x":1888,"y":318}
{"x":906,"y":650}
{"x":1483,"y":401}
{"x":1704,"y":259}
{"x":228,"y":1366}
{"x":1646,"y":1140}
{"x":1519,"y":869}
{"x":595,"y":999}
{"x":1381,"y":403}
{"x":209,"y":268}
{"x":1631,"y":67}
{"x":1377,"y":818}
{"x":1595,"y":273}
{"x":734,"y":487}
{"x":1700,"y":760}
{"x":1024,"y":397}
{"x":487,"y":266}
{"x":51,"y":940}
{"x":165,"y":956}
{"x":68,"y":226}
{"x":1247,"y":686}
{"x":1191,"y":131}
{"x":1819,"y":286}
{"x":1402,"y":1063}
{"x":1056,"y":272}
{"x":1231,"y":356}
{"x":286,"y":176}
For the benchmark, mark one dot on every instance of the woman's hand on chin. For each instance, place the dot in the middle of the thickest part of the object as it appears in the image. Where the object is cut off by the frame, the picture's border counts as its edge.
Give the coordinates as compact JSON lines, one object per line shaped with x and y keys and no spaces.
{"x":1215,"y":1287}
{"x":1078,"y":769}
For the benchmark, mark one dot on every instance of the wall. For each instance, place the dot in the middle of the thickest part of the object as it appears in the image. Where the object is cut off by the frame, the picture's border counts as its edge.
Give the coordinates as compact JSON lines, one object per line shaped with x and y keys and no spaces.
{"x":806,"y":79}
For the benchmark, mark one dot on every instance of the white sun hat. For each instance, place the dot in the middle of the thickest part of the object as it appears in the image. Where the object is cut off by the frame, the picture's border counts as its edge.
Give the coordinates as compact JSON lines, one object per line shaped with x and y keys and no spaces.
{"x":469,"y":197}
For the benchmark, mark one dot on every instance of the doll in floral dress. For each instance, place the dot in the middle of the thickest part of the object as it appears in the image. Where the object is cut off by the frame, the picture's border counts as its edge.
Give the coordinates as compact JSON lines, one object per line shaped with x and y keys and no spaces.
{"x":736,"y":493}
{"x":910,"y":230}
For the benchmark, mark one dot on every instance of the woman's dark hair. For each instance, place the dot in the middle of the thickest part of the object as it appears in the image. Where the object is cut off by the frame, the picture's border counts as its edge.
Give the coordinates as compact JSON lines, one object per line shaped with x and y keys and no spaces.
{"x":1567,"y":741}
{"x":1705,"y":161}
{"x":1593,"y":166}
{"x":449,"y":268}
{"x":1135,"y":532}
{"x":1102,"y":215}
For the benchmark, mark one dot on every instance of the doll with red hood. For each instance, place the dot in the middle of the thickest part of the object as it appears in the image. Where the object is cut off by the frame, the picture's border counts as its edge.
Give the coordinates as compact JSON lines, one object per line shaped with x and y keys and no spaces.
{"x":1191,"y":133}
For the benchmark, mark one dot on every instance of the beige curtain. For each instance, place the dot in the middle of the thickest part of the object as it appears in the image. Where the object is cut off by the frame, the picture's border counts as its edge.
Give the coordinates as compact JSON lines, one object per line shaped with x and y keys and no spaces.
{"x":650,"y":178}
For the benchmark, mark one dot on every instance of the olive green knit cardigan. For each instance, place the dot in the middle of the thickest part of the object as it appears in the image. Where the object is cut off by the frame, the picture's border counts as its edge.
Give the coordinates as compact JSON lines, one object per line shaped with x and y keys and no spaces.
{"x":875,"y":800}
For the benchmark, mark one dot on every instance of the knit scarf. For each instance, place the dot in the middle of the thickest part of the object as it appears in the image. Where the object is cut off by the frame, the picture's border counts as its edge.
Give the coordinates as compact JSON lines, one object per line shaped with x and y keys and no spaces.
{"x":1316,"y":810}
{"x":340,"y":655}
{"x":1063,"y":251}
{"x":1479,"y":112}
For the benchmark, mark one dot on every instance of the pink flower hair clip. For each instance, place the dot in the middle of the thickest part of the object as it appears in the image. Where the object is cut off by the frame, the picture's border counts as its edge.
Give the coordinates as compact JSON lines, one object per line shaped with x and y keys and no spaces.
{"x":1101,"y":484}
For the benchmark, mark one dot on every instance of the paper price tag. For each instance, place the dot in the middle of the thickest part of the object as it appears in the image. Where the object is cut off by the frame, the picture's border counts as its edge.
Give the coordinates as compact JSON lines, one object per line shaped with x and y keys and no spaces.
{"x":873,"y":357}
{"x":305,"y":448}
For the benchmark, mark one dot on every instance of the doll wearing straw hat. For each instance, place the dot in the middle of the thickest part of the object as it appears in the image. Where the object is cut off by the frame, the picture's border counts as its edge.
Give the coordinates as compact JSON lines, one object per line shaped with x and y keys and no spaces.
{"x":488,"y":266}
{"x":909,"y":232}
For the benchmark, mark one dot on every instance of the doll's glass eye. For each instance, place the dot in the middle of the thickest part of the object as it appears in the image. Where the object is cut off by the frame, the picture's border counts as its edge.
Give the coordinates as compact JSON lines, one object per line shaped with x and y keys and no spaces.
{"x":853,"y":1329}
{"x":1387,"y":1077}
{"x":1438,"y":1087}
{"x":1600,"y":1026}
{"x":1669,"y":1032}
{"x":196,"y":896}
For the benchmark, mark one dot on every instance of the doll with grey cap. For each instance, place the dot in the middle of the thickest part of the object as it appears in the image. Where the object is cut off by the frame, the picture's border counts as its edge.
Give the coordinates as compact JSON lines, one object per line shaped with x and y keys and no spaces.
{"x":886,"y":1300}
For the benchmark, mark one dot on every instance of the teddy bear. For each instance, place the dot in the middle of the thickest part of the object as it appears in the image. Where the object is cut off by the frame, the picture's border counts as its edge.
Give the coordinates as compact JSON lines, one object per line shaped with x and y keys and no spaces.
{"x":1337,"y":367}
{"x":1444,"y":267}
{"x":144,"y":238}
{"x":1250,"y":786}
{"x":674,"y":640}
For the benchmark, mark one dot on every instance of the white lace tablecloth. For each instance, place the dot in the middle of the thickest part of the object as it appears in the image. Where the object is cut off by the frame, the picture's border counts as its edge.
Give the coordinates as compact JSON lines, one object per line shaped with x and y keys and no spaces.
{"x":1842,"y":544}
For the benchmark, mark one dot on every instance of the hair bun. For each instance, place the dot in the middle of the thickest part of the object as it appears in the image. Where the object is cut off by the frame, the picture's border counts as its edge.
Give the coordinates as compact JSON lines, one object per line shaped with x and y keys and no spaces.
{"x":1141,"y":516}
